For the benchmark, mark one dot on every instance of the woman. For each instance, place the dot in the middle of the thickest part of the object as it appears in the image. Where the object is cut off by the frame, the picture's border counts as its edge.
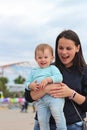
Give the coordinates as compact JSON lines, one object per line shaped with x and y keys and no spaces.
{"x":69,"y":59}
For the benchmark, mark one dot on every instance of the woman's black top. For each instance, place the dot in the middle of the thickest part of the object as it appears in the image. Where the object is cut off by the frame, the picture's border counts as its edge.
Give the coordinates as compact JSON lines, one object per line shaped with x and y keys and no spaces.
{"x":78,"y":82}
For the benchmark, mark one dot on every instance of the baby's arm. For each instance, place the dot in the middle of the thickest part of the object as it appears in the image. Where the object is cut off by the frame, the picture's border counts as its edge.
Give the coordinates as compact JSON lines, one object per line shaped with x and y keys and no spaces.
{"x":56,"y":74}
{"x":45,"y":81}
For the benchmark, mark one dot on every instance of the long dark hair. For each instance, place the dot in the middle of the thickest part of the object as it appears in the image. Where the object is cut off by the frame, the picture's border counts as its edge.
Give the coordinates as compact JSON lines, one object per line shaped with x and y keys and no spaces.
{"x":78,"y":60}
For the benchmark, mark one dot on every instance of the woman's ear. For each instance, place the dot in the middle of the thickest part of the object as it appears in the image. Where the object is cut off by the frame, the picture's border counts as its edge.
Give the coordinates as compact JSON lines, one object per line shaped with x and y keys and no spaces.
{"x":78,"y":48}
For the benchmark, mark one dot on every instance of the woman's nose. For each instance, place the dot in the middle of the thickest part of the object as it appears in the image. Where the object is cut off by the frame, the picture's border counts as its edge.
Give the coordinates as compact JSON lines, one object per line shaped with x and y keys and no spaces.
{"x":64,"y":51}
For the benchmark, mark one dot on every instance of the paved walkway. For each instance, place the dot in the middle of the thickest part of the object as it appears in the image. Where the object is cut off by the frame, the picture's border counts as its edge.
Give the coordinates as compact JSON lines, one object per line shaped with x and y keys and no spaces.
{"x":13,"y":119}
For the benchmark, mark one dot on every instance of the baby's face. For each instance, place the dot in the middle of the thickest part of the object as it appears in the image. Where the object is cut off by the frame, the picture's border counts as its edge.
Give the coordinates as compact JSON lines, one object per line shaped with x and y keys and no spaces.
{"x":44,"y":59}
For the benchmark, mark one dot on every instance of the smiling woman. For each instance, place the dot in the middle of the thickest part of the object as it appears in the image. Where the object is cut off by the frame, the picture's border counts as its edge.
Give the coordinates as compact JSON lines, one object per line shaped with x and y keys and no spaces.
{"x":70,"y":61}
{"x":67,"y":51}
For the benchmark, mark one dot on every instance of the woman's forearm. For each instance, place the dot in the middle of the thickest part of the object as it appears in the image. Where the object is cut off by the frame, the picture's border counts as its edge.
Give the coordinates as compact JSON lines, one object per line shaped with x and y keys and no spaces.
{"x":63,"y":90}
{"x":40,"y":93}
{"x":37,"y":94}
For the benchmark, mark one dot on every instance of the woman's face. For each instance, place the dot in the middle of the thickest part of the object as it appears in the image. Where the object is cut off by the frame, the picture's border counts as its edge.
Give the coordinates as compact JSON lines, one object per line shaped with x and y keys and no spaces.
{"x":66,"y":51}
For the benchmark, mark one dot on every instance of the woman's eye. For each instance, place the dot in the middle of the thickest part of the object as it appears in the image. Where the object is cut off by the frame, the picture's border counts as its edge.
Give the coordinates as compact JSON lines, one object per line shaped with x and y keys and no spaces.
{"x":69,"y":48}
{"x":60,"y":48}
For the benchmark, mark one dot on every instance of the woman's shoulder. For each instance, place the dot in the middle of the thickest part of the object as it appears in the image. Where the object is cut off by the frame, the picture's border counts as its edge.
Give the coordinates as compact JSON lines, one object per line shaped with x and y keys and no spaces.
{"x":85,"y":70}
{"x":84,"y":75}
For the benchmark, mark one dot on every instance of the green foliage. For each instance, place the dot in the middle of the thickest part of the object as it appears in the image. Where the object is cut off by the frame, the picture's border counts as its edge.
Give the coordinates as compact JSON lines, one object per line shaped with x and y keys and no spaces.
{"x":4,"y":80}
{"x":16,"y":94}
{"x":3,"y":87}
{"x":19,"y":80}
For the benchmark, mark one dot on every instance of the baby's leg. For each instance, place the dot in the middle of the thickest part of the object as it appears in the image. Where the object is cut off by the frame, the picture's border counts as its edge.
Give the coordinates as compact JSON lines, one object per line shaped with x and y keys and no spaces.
{"x":43,"y":116}
{"x":56,"y":108}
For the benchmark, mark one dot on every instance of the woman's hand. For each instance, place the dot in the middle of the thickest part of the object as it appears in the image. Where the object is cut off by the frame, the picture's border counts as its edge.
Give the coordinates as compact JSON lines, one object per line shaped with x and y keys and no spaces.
{"x":59,"y":90}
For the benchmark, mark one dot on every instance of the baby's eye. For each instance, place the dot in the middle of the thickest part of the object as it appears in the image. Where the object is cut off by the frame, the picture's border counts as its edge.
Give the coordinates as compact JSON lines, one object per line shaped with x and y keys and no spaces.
{"x":39,"y":57}
{"x":46,"y":57}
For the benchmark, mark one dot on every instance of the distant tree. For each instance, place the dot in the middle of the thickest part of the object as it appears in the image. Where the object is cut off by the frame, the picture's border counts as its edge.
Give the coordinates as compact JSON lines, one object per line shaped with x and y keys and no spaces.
{"x":3,"y":87}
{"x":5,"y":90}
{"x":19,"y":80}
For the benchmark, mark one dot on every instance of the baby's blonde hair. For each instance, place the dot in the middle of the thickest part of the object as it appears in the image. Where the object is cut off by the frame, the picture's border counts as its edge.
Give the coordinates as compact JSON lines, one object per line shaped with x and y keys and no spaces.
{"x":42,"y":47}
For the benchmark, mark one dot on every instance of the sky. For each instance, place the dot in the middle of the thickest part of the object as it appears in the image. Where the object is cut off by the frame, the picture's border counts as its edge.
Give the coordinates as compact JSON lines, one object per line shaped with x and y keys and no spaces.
{"x":26,"y":23}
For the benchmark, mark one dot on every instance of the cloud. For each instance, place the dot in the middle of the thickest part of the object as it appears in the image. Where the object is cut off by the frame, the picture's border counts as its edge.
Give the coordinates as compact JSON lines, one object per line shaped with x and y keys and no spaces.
{"x":26,"y":23}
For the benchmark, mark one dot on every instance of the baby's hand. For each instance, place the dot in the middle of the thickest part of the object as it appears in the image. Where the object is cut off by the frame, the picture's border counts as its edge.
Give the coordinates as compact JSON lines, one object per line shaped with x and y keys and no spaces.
{"x":34,"y":86}
{"x":45,"y":81}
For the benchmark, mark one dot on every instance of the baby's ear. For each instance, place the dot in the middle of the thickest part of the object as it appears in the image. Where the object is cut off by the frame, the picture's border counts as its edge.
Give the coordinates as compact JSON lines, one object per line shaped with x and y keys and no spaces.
{"x":52,"y":59}
{"x":35,"y":59}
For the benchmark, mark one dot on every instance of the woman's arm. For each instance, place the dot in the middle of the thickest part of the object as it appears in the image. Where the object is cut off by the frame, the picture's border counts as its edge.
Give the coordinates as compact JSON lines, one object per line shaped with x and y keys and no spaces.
{"x":41,"y":92}
{"x":55,"y":90}
{"x":64,"y":91}
{"x":31,"y":96}
{"x":28,"y":96}
{"x":37,"y":94}
{"x":58,"y":91}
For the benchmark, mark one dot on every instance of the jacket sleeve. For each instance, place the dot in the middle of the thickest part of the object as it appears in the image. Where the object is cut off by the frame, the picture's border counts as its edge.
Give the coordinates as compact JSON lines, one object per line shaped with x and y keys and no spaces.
{"x":84,"y":106}
{"x":84,"y":89}
{"x":28,"y":96}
